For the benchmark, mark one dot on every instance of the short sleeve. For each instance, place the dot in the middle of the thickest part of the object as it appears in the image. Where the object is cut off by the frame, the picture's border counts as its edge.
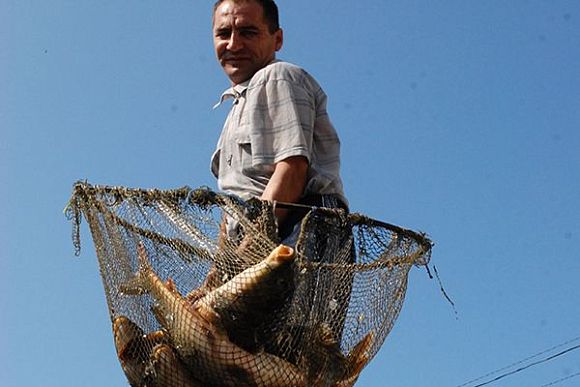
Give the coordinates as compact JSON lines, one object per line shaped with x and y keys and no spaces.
{"x":281,"y":115}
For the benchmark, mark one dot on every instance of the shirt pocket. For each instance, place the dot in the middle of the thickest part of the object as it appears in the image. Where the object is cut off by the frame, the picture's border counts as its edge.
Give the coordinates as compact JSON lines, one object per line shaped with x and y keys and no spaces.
{"x":244,"y":148}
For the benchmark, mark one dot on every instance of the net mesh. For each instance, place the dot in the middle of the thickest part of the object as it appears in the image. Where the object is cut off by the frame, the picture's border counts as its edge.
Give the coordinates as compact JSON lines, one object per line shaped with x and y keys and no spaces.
{"x":194,"y":304}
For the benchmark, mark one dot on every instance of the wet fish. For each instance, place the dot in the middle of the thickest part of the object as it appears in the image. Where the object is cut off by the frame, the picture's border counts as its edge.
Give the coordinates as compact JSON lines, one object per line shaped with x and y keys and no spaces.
{"x":200,"y":339}
{"x":316,"y":351}
{"x":249,"y":301}
{"x":320,"y":355}
{"x":133,"y":347}
{"x":128,"y":337}
{"x":325,"y":362}
{"x":166,"y":369}
{"x":148,"y":360}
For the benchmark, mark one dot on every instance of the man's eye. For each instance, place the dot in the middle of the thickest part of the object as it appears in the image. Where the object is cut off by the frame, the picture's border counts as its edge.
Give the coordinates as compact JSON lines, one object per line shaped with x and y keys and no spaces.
{"x":248,"y":33}
{"x":223,"y":34}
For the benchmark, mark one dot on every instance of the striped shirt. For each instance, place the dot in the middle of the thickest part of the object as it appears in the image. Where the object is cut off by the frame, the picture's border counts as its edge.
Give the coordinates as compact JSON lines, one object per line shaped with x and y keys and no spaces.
{"x":279,"y":113}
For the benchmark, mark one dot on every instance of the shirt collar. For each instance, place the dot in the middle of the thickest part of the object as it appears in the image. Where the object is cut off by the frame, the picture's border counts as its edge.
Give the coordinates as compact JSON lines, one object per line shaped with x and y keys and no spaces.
{"x":235,"y":92}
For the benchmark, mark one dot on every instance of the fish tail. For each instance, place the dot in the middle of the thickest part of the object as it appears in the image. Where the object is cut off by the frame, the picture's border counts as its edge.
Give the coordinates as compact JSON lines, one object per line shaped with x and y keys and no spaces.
{"x":144,"y":264}
{"x":358,"y":358}
{"x":137,"y":284}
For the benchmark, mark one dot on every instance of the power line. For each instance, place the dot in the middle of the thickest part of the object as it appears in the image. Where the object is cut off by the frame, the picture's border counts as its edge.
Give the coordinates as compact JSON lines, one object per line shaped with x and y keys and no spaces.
{"x":561,"y":380}
{"x":524,"y":361}
{"x":528,"y":366}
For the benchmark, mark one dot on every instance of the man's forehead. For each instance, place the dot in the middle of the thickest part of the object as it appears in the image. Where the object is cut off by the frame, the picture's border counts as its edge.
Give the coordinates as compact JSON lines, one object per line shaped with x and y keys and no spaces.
{"x":242,"y":13}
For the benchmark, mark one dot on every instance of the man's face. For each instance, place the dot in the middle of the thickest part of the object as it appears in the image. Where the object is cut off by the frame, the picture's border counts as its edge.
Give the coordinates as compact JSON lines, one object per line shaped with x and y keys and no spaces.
{"x":242,"y":41}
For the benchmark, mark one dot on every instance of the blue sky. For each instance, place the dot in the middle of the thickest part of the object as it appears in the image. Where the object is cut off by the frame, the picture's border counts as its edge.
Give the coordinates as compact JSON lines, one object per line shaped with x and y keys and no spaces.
{"x":457,"y":118}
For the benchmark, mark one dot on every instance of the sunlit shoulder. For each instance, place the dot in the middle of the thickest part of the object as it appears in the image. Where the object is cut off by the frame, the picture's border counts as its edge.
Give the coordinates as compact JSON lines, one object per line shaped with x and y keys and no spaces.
{"x":280,"y":70}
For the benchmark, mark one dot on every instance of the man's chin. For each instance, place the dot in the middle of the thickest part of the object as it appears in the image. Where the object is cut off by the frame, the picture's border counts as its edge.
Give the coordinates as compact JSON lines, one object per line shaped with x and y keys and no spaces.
{"x":237,"y":74}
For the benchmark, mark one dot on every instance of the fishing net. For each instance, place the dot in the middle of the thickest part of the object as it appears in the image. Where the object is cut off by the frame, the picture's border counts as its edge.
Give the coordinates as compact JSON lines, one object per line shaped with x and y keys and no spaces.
{"x":202,"y":293}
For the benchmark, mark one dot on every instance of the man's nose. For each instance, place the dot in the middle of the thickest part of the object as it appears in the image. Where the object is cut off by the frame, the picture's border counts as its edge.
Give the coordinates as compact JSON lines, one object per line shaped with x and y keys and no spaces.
{"x":235,"y":42}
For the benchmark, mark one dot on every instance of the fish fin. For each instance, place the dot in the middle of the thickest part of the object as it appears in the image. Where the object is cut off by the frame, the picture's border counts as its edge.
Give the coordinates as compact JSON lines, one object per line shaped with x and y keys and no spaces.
{"x":167,"y":369}
{"x":136,"y":286}
{"x":208,"y":313}
{"x":363,"y":346}
{"x":126,"y":334}
{"x":326,"y":335}
{"x":357,"y":359}
{"x":172,"y":287}
{"x":133,"y":287}
{"x":144,"y":264}
{"x":159,"y":315}
{"x":157,"y":337}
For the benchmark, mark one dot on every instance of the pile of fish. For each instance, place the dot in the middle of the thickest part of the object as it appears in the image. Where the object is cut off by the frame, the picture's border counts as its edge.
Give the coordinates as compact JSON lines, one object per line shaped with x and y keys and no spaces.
{"x":211,"y":337}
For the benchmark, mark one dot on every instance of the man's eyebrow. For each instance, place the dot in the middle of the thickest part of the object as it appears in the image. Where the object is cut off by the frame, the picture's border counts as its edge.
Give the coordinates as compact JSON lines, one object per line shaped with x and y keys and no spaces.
{"x":248,"y":28}
{"x":228,"y":29}
{"x":220,"y":30}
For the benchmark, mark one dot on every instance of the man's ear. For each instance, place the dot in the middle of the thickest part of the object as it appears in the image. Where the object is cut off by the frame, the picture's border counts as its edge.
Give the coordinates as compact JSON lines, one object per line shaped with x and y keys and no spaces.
{"x":279,"y":39}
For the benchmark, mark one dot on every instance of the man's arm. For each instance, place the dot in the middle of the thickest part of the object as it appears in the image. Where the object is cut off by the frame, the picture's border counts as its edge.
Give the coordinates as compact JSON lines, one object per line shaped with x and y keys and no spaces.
{"x":287,"y":183}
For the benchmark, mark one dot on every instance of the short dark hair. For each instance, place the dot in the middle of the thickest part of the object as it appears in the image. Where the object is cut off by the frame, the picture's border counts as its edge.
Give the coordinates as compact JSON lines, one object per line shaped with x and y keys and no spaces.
{"x":270,"y":12}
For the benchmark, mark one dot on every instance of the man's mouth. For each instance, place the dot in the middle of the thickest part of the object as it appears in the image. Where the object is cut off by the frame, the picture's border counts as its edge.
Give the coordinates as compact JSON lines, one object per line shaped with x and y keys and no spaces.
{"x":229,"y":57}
{"x":236,"y":59}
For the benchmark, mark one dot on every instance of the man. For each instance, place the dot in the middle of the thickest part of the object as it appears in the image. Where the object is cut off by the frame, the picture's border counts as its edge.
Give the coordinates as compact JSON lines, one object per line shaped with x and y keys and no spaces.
{"x":277,"y":143}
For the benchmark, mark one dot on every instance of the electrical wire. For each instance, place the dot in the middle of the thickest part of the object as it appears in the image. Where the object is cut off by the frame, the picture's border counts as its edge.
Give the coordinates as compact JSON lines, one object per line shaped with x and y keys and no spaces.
{"x":561,"y":380}
{"x":524,"y":361}
{"x":528,"y":366}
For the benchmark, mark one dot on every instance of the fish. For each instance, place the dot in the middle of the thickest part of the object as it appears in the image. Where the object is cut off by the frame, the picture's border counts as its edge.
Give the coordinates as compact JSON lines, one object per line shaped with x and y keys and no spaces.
{"x":322,"y":358}
{"x":133,"y":346}
{"x":199,"y":337}
{"x":148,"y":360}
{"x":327,"y":365}
{"x":249,"y":301}
{"x":166,"y":369}
{"x":128,"y":337}
{"x":314,"y":349}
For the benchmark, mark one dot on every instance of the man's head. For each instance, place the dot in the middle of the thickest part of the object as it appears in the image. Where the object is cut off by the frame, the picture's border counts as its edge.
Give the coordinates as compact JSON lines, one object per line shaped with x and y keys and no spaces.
{"x":246,"y":36}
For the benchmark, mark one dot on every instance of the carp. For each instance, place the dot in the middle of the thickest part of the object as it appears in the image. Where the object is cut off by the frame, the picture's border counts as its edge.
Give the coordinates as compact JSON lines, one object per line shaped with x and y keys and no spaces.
{"x":249,"y":301}
{"x":316,"y":351}
{"x":147,"y":359}
{"x":128,"y":338}
{"x":166,"y":369}
{"x":328,"y":366}
{"x":199,"y":337}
